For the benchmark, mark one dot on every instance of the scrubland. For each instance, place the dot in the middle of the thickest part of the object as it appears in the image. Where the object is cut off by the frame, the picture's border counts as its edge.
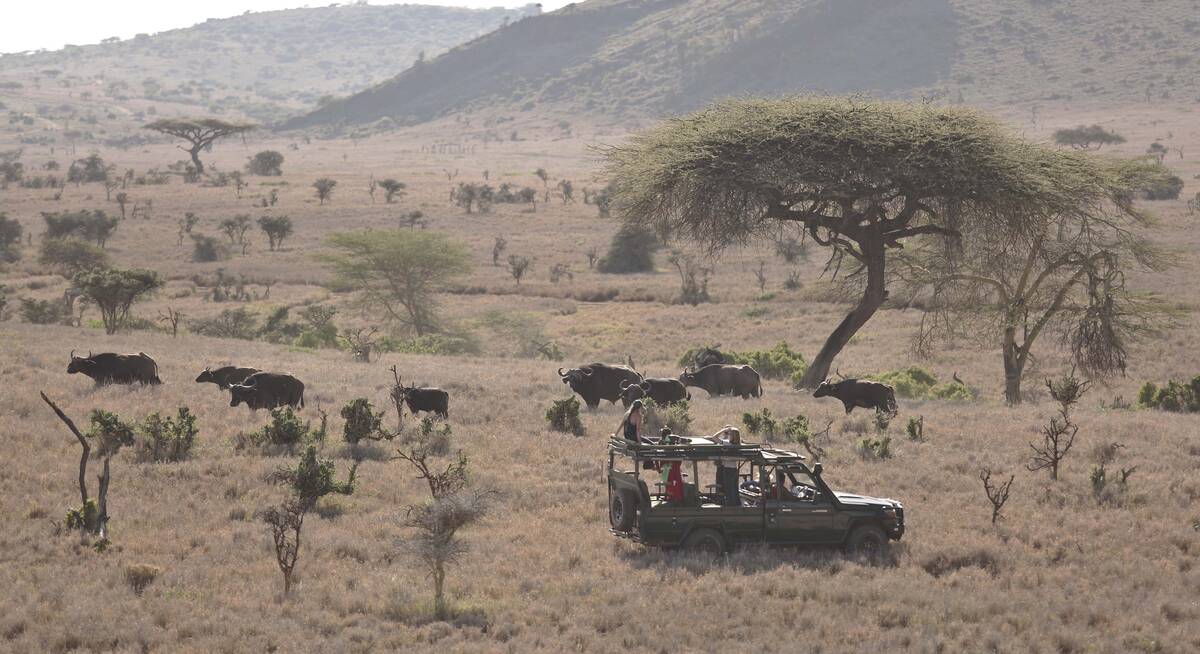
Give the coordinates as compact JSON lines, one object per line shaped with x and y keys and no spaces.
{"x":1061,"y":572}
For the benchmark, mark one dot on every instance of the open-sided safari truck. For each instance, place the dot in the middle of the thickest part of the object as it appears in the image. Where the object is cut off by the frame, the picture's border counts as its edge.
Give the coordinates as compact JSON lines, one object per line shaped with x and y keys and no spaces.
{"x":734,"y":494}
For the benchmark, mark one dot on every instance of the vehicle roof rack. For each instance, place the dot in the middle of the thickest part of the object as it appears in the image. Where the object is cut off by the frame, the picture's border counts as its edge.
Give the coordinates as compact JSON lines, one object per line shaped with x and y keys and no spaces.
{"x":703,"y":449}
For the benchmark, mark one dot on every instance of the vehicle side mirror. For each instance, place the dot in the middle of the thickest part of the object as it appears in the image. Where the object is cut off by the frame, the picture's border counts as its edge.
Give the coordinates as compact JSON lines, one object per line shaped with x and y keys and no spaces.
{"x":817,"y":468}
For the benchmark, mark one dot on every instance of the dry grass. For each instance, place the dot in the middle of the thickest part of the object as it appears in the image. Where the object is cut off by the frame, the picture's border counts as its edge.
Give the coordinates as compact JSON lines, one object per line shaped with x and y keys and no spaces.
{"x":1060,"y":572}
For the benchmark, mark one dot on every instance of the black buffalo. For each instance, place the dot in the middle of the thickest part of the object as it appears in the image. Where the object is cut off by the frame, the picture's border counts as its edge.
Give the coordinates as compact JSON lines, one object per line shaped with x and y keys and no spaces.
{"x":599,"y":381}
{"x":661,"y":390}
{"x":226,"y":376}
{"x":432,"y":400}
{"x":859,"y":393}
{"x":721,"y":379}
{"x":267,"y":390}
{"x":110,"y":368}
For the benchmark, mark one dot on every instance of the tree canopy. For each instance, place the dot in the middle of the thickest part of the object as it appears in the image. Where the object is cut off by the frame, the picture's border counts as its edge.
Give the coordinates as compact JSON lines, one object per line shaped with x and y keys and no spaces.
{"x":114,"y":291}
{"x":199,"y":133}
{"x":858,"y":176}
{"x":397,"y":272}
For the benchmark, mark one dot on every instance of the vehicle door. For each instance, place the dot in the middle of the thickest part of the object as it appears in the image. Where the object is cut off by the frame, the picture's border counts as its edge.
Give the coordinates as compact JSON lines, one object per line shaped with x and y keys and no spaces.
{"x":796,"y":511}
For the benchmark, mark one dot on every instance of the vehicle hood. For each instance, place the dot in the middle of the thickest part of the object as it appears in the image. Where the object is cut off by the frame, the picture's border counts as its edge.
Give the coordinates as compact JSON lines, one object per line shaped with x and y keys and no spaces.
{"x":863,"y":500}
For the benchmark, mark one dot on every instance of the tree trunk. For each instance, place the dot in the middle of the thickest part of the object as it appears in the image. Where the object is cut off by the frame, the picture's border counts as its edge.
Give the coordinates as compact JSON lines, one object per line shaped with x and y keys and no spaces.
{"x":195,"y":152}
{"x":1014,"y":367}
{"x":873,"y":297}
{"x":439,"y":597}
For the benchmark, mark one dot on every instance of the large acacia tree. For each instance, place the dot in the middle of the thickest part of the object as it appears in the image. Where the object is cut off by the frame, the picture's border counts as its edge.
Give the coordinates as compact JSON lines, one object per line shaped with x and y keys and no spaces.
{"x":1061,"y":273}
{"x":199,"y":133}
{"x":860,"y":177}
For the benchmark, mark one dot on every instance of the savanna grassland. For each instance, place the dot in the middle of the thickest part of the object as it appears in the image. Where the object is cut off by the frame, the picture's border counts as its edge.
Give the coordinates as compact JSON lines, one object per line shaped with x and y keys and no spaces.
{"x":1061,"y":572}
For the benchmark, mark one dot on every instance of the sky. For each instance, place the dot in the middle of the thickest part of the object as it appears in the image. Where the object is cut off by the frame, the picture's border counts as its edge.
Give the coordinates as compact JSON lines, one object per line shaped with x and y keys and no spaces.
{"x":51,"y":24}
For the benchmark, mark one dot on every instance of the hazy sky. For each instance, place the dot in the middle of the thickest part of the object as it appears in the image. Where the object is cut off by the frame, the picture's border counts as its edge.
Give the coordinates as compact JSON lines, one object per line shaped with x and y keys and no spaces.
{"x":50,"y":24}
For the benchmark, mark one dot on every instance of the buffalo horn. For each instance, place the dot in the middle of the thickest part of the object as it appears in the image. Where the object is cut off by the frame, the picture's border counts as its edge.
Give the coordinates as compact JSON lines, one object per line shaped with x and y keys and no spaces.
{"x":561,"y":373}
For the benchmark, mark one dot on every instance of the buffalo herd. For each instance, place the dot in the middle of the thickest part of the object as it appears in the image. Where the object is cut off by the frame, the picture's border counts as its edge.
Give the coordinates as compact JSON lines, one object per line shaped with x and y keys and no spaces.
{"x":259,"y":389}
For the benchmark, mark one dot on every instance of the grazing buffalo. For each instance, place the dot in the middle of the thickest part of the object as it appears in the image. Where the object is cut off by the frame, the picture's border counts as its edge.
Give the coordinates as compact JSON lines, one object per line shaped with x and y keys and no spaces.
{"x":721,"y":379}
{"x":267,"y":390}
{"x":859,"y":393}
{"x":599,"y":381}
{"x":226,"y":376}
{"x":431,"y":400}
{"x":661,"y":390}
{"x":110,"y":368}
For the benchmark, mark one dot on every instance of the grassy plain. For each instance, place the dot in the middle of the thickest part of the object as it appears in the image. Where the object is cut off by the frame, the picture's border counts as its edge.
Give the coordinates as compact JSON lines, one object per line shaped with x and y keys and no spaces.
{"x":1061,"y":573}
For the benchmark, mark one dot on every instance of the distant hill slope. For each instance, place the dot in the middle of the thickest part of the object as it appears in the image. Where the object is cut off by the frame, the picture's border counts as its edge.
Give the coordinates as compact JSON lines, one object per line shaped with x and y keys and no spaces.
{"x":264,"y":65}
{"x":620,"y":57}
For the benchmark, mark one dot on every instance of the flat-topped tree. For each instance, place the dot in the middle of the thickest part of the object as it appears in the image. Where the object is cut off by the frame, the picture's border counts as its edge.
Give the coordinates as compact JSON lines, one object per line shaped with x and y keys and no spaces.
{"x":858,"y":176}
{"x":199,"y":133}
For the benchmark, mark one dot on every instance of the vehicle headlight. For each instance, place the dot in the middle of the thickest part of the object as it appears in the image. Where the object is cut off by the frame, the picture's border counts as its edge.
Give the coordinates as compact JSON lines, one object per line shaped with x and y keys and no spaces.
{"x":889,"y":513}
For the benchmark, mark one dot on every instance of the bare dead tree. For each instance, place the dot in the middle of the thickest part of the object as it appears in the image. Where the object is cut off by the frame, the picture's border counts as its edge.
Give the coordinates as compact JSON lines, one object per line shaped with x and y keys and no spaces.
{"x":397,"y":394}
{"x":171,"y":317}
{"x":361,"y":342}
{"x":760,"y":275}
{"x":997,"y":494}
{"x":1059,"y":436}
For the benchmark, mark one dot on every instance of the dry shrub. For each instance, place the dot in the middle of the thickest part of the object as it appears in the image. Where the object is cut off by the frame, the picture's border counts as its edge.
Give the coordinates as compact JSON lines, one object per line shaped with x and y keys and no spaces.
{"x":139,"y":576}
{"x":945,"y":563}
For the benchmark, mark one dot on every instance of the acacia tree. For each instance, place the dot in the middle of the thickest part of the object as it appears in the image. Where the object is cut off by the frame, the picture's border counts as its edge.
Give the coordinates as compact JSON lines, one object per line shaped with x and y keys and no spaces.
{"x":114,"y":291}
{"x":200,"y":133}
{"x":398,"y":271}
{"x":861,"y":177}
{"x":1060,"y":272}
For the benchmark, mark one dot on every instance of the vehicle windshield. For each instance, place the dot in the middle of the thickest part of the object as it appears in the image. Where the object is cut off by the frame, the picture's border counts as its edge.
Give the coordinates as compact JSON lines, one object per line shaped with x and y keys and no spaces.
{"x":801,"y":486}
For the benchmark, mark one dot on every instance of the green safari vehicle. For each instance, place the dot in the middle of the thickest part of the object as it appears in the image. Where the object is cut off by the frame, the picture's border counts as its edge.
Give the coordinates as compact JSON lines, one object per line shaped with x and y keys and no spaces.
{"x":759,"y":494}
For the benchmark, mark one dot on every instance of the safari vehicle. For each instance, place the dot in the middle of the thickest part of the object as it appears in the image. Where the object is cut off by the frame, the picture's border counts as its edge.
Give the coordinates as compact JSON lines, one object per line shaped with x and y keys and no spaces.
{"x":776,"y":499}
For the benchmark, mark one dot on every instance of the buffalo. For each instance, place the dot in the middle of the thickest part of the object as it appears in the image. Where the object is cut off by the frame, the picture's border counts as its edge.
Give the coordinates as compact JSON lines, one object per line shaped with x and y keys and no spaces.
{"x":111,"y":368}
{"x":431,"y":400}
{"x":599,"y":381}
{"x":267,"y":390}
{"x":721,"y":379}
{"x":226,"y":376}
{"x":661,"y":390}
{"x":860,"y":393}
{"x":708,"y":356}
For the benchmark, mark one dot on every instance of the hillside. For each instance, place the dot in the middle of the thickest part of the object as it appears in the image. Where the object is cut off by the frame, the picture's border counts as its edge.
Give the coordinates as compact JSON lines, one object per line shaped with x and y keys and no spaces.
{"x":654,"y":57}
{"x":262,"y":65}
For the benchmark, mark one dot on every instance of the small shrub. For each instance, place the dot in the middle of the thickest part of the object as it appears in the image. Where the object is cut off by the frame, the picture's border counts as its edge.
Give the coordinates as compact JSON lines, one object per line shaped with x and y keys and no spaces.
{"x":68,"y":255}
{"x":874,"y":449}
{"x":915,"y":429}
{"x":918,"y":383}
{"x":43,"y":312}
{"x":286,"y":430}
{"x":1168,"y":188}
{"x":207,"y":249}
{"x":563,"y":416}
{"x":139,"y":576}
{"x":631,"y":251}
{"x":761,"y":423}
{"x":267,"y":163}
{"x":167,"y":439}
{"x":1175,"y":396}
{"x":230,"y":323}
{"x":674,"y":416}
{"x":435,"y":437}
{"x":362,"y":422}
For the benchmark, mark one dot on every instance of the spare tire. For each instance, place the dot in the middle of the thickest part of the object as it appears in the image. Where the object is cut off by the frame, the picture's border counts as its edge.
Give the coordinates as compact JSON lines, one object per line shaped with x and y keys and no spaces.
{"x":622,"y":509}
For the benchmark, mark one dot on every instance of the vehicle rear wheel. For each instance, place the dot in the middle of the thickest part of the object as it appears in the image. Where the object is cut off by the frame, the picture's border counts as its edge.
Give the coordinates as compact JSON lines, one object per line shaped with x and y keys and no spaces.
{"x":867,"y":539}
{"x":706,"y":541}
{"x":622,"y":509}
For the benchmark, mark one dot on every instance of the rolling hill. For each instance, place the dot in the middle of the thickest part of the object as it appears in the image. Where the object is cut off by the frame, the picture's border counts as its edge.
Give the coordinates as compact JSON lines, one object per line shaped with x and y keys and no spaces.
{"x":655,"y":57}
{"x":262,"y":65}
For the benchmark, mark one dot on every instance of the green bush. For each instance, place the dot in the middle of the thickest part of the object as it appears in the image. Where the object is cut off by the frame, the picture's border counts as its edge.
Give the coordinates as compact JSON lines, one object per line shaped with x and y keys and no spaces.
{"x":230,"y":323}
{"x":435,"y":437}
{"x":287,"y":430}
{"x":918,"y":383}
{"x":1176,"y":396}
{"x":167,"y":439}
{"x":68,"y":255}
{"x":874,"y":449}
{"x":761,"y":423}
{"x":207,"y":248}
{"x":43,"y":312}
{"x":779,"y":362}
{"x":631,"y":251}
{"x":362,"y":422}
{"x":438,"y":344}
{"x":1167,"y":188}
{"x":563,"y":416}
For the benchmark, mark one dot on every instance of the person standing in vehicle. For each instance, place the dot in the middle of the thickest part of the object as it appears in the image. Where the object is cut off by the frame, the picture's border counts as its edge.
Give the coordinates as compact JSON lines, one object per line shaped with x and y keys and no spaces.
{"x":727,"y":471}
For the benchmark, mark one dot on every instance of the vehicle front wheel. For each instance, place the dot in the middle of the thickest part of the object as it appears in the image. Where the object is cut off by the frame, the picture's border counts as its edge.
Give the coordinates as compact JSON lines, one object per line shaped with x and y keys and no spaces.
{"x":622,"y":509}
{"x":867,"y":539}
{"x":706,"y":541}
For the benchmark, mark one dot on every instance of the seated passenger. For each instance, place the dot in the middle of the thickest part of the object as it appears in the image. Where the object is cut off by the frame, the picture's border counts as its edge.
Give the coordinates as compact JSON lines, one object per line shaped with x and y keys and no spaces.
{"x":631,"y":423}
